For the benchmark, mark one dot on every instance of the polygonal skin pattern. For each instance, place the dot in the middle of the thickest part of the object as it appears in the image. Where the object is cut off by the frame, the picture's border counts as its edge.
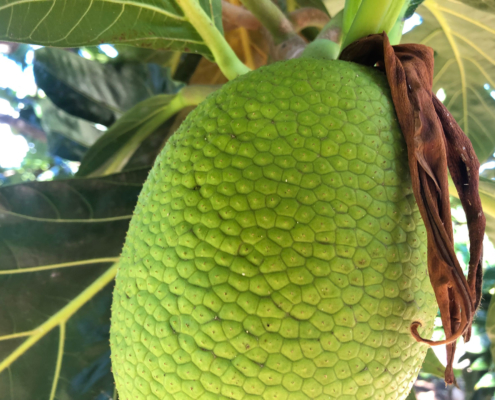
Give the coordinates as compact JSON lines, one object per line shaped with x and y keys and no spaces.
{"x":276,"y":251}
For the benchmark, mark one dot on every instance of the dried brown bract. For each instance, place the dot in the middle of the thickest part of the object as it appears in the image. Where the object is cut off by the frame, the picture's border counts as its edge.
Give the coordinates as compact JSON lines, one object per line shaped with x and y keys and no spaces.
{"x":436,"y":144}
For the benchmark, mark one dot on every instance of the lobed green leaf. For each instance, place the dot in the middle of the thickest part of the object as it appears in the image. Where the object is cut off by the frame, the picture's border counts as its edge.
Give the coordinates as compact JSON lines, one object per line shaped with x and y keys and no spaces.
{"x":463,"y":40}
{"x":73,"y":23}
{"x":56,"y":241}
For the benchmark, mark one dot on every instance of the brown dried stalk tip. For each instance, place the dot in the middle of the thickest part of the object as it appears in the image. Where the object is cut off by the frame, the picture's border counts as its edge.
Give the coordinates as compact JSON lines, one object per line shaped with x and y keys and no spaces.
{"x":435,"y":144}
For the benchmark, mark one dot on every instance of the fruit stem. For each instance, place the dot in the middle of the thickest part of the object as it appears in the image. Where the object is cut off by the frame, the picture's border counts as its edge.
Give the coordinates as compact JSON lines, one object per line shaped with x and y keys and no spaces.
{"x":326,"y":46}
{"x":369,"y":17}
{"x":322,"y":49}
{"x":272,"y":19}
{"x":227,"y":60}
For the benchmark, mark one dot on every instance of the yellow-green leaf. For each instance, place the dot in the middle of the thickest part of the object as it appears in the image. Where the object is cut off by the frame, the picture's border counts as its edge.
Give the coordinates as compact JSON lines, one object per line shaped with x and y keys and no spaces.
{"x":463,"y":38}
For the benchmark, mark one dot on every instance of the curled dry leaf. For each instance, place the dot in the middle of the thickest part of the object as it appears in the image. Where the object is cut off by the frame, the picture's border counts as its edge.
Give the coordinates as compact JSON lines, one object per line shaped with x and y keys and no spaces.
{"x":435,"y":144}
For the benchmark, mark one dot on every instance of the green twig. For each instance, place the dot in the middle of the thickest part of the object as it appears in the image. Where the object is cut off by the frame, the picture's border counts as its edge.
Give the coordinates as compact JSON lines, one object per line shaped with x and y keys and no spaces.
{"x":224,"y":56}
{"x":272,"y":19}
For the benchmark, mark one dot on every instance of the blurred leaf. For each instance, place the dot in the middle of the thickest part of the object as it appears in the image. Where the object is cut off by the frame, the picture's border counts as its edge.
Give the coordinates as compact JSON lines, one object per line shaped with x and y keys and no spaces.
{"x":73,"y":23}
{"x":488,"y":279}
{"x":94,"y":91}
{"x":490,"y":326}
{"x":319,"y":4}
{"x":485,"y":5}
{"x":482,"y":363}
{"x":118,"y":144}
{"x":334,"y":6}
{"x":413,"y":5}
{"x":56,"y":241}
{"x":463,"y":39}
{"x":138,"y":54}
{"x":487,"y":195}
{"x":486,"y":381}
{"x":432,"y":365}
{"x":68,"y":136}
{"x":490,"y":227}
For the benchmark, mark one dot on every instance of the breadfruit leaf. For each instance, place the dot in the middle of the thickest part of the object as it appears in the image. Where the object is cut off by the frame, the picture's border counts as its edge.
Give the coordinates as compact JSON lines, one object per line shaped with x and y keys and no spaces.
{"x":463,"y":38}
{"x":112,"y":151}
{"x":73,"y":23}
{"x":485,"y":5}
{"x":56,"y":121}
{"x":58,"y":241}
{"x":94,"y":91}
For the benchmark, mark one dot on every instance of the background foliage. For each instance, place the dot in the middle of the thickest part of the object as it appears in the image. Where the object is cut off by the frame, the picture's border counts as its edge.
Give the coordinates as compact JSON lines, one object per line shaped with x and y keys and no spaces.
{"x":104,"y":112}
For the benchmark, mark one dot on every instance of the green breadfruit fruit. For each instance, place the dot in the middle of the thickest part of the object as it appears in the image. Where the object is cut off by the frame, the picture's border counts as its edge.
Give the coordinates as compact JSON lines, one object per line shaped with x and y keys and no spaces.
{"x":276,"y":251}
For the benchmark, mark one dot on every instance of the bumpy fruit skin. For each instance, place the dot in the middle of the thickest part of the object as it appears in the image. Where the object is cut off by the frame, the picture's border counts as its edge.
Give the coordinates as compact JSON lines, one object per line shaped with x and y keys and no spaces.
{"x":276,"y":251}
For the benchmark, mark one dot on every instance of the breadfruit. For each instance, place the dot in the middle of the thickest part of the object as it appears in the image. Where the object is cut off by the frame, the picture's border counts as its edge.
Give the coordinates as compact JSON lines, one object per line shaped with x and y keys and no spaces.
{"x":276,"y":251}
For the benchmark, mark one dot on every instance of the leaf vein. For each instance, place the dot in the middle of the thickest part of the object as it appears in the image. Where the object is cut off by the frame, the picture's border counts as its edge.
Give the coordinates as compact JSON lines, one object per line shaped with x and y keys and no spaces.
{"x":65,"y":221}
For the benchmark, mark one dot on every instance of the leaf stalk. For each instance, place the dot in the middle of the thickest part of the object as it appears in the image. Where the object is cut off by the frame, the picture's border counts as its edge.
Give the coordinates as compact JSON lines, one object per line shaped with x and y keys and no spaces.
{"x":225,"y":57}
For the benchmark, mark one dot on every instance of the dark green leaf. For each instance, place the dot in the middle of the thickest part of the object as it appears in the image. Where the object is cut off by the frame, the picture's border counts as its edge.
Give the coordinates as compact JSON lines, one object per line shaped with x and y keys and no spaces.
{"x":413,"y":4}
{"x":488,"y":279}
{"x":463,"y":40}
{"x":94,"y":91}
{"x":74,"y":23}
{"x":42,"y":225}
{"x":40,"y":219}
{"x":68,"y":136}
